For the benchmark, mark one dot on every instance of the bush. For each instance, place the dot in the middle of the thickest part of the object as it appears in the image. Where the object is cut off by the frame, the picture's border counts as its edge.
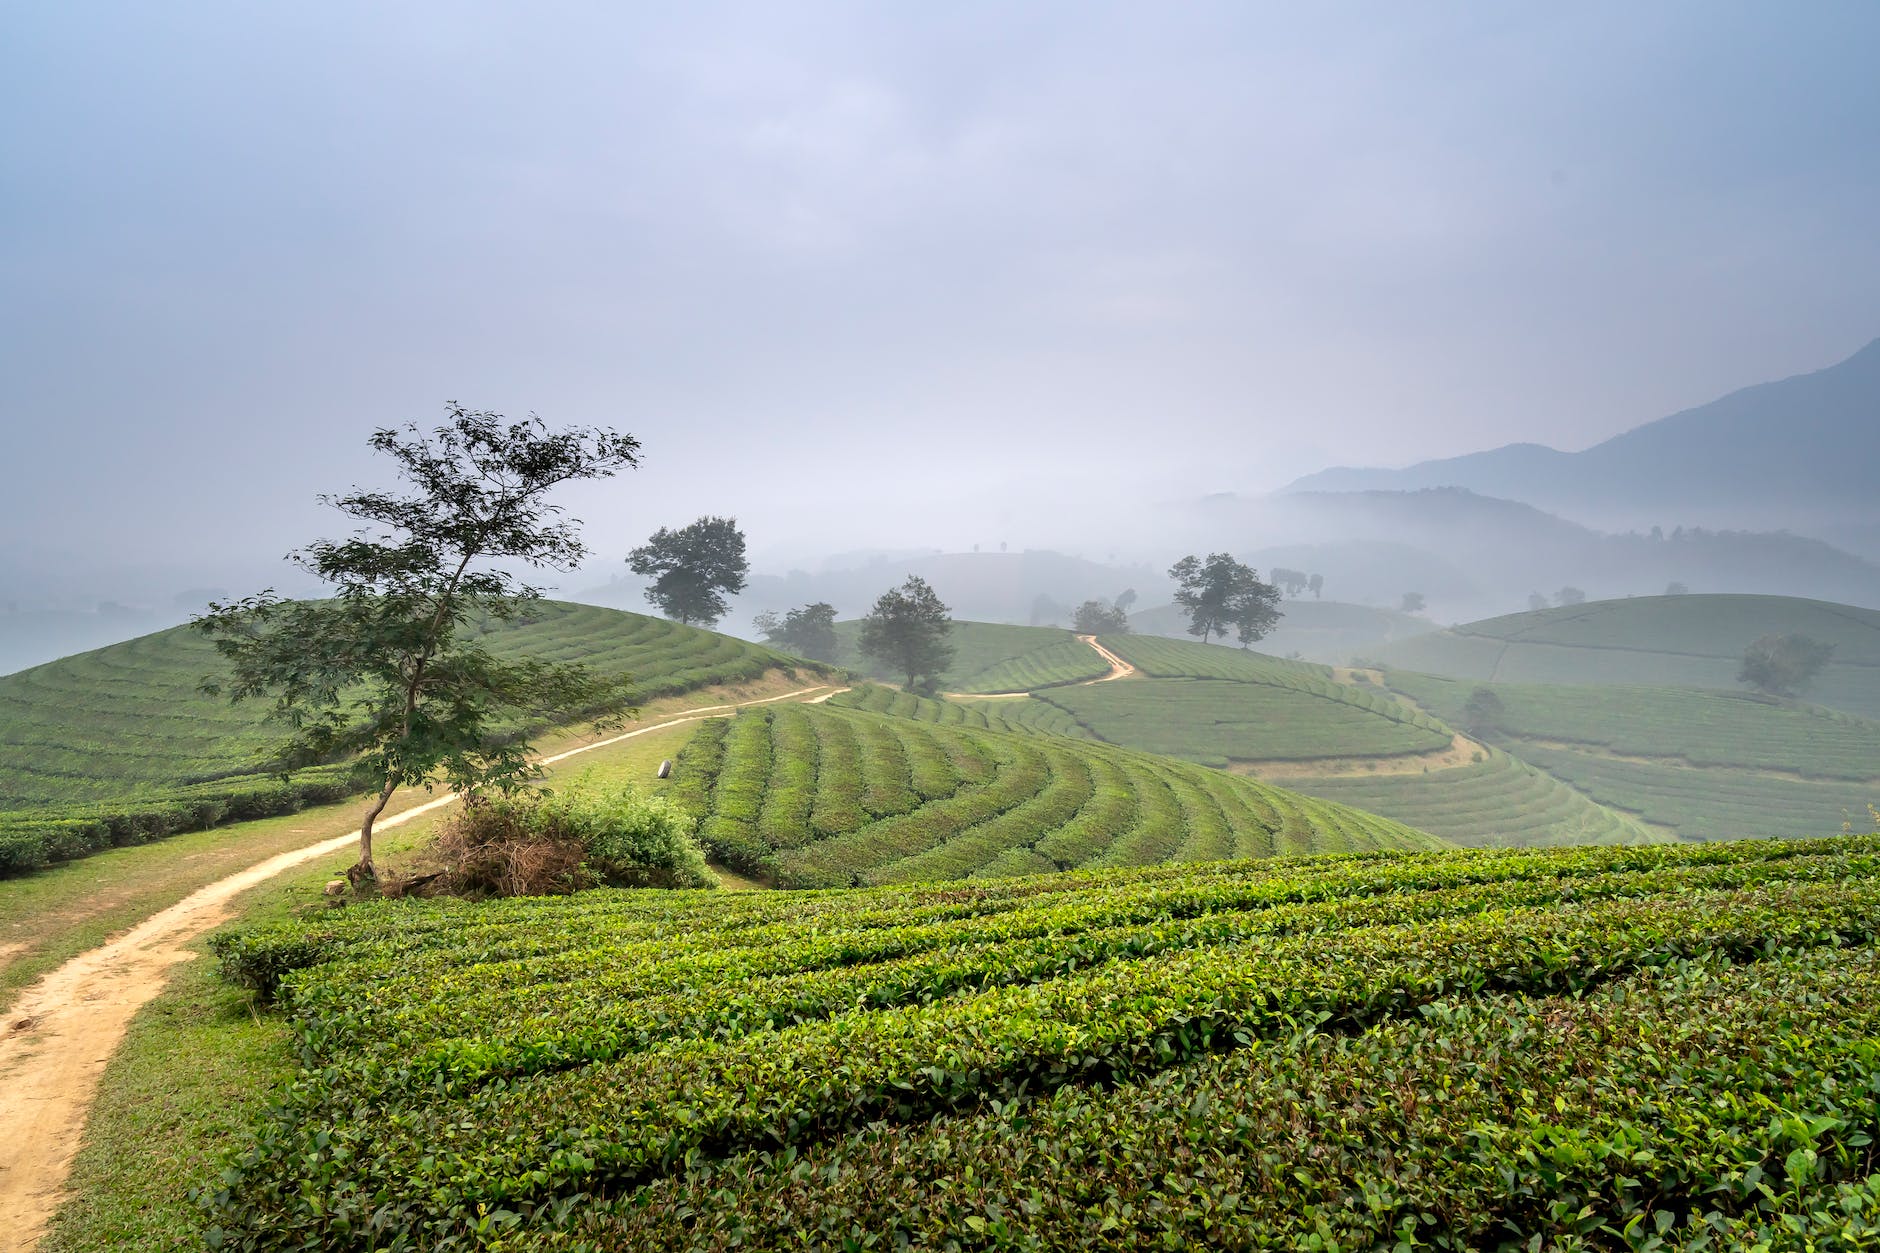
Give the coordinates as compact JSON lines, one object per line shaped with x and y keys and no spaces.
{"x":547,"y":844}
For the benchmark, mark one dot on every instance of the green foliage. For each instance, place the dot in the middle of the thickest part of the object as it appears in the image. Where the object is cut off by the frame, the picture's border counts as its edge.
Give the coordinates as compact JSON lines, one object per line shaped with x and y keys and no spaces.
{"x":1780,"y":665}
{"x":1483,"y":711}
{"x":807,"y":631}
{"x":1223,"y":593}
{"x":633,"y":838}
{"x":385,"y":672}
{"x":907,"y":632}
{"x":992,"y":657}
{"x":812,"y":796}
{"x":1664,"y":1047}
{"x":122,"y":735}
{"x":693,"y":568}
{"x":1093,"y":617}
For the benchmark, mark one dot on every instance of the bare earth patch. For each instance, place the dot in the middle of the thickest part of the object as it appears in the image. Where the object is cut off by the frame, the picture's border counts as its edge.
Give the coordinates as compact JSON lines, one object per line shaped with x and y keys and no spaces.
{"x":1462,"y":751}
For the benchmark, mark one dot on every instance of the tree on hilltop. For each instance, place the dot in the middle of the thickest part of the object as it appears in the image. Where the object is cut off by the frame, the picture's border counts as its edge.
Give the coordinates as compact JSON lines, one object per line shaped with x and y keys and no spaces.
{"x":1223,"y":593}
{"x":1780,"y":665}
{"x":907,"y":630}
{"x":1412,"y":602}
{"x":1568,"y":596}
{"x":381,"y":672}
{"x":1093,"y":617}
{"x":809,"y":631}
{"x":693,"y":568}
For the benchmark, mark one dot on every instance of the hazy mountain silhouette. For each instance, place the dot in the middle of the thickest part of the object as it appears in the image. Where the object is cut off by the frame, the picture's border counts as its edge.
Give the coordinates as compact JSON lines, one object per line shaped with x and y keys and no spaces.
{"x":1798,"y":453}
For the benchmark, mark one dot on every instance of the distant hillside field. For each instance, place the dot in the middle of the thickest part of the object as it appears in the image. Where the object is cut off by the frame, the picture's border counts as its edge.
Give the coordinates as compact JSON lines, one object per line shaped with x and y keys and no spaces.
{"x":124,"y":729}
{"x":1704,"y":764}
{"x":1467,"y":1050}
{"x":1318,"y":630}
{"x":991,"y":657}
{"x":1666,"y":641}
{"x":811,"y":796}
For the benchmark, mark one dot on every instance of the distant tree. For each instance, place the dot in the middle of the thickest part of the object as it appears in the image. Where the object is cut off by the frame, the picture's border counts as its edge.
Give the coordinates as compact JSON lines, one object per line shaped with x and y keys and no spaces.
{"x":1483,"y":711}
{"x":1569,"y":596}
{"x":1222,"y":593}
{"x":1413,"y":602}
{"x":693,"y":568}
{"x":1537,"y":602}
{"x":381,"y":672}
{"x":1316,"y":584}
{"x":1677,"y":589}
{"x":907,"y":630}
{"x":1125,"y":599}
{"x":808,"y":632}
{"x":1093,"y":617}
{"x":1047,"y":612}
{"x":1292,"y":581}
{"x":1780,"y":665}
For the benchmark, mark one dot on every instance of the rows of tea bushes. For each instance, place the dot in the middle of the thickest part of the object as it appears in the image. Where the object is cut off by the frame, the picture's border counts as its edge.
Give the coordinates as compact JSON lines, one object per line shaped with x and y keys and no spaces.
{"x":1025,"y":714}
{"x":1653,"y":1047}
{"x":1497,"y":802}
{"x":1682,"y":726}
{"x":989,"y":657}
{"x":118,"y":746}
{"x":1067,"y":661}
{"x":815,"y":796}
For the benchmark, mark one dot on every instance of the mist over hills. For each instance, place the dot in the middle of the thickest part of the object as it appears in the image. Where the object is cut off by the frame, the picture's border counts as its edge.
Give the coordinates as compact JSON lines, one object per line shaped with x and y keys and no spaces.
{"x":1798,"y":453}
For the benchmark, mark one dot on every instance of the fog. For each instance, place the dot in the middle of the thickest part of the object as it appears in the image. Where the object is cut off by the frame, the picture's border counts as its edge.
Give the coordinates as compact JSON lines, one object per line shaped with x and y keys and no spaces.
{"x":887,"y":277}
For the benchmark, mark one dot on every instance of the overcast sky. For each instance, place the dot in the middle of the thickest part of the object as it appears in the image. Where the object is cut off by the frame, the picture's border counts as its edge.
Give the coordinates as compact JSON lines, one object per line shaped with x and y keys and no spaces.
{"x":895,"y":273}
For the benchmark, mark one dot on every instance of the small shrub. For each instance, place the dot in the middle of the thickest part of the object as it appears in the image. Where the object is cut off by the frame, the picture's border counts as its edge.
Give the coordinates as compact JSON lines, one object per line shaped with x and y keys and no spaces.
{"x":497,"y":847}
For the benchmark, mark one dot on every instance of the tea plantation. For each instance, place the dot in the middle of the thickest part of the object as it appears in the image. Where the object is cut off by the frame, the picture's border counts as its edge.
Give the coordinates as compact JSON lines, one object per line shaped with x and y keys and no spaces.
{"x":989,"y":657}
{"x":813,"y":796}
{"x":1665,"y":1047}
{"x":119,"y":746}
{"x":1682,"y":641}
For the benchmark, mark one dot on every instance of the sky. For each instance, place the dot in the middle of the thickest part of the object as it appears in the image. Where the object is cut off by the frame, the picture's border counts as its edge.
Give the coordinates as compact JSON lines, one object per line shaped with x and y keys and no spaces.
{"x":885,"y":274}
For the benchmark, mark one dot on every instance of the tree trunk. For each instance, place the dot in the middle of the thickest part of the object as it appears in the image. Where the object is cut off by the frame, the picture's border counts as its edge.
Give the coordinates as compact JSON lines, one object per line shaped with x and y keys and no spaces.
{"x":364,"y":871}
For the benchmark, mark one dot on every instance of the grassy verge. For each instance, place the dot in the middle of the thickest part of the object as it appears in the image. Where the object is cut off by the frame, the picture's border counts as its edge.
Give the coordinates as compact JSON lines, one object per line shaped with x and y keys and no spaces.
{"x":200,"y":1062}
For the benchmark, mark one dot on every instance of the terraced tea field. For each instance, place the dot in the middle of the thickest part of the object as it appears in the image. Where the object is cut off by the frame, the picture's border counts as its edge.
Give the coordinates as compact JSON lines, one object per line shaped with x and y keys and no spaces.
{"x":812,"y":796}
{"x":1026,"y":714}
{"x":122,"y":736}
{"x":1466,"y":1050}
{"x":1704,"y":764}
{"x":989,"y":657}
{"x":1679,"y":641}
{"x":1218,"y":705}
{"x":1498,"y":802}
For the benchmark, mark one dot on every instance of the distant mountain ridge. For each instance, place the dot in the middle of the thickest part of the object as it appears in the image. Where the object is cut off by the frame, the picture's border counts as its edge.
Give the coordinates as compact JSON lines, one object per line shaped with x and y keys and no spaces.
{"x":1799,"y":452}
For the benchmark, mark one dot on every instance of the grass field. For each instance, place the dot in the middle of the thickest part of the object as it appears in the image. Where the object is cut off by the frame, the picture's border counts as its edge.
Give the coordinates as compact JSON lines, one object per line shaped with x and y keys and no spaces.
{"x":1506,"y":1050}
{"x":1704,"y":764}
{"x":810,"y":796}
{"x":989,"y":657}
{"x":117,"y":746}
{"x":1498,"y":802}
{"x":1676,"y":641}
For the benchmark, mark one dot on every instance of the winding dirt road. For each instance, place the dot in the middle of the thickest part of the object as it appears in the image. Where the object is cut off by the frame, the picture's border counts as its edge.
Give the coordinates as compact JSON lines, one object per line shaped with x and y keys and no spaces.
{"x":58,"y":1037}
{"x":1119,"y":669}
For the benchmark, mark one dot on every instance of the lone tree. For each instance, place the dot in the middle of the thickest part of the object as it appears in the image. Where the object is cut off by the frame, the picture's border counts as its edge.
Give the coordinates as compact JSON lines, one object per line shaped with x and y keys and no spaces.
{"x":1483,"y":711}
{"x":1569,"y":596}
{"x":1093,"y":617}
{"x":694,"y":568}
{"x":381,"y":671}
{"x":808,"y":632}
{"x":1412,"y":602}
{"x":1780,"y":665}
{"x":1223,"y":593}
{"x":907,"y":630}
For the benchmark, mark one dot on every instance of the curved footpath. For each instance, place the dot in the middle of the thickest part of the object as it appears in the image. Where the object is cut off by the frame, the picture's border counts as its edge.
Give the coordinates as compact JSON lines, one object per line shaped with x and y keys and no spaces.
{"x":60,"y":1034}
{"x":1119,"y":669}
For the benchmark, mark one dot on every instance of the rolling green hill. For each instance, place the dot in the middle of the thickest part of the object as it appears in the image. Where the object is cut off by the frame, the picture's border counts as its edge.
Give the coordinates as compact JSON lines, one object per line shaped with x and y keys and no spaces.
{"x":1702,"y":763}
{"x":1318,"y":630}
{"x":118,"y":745}
{"x":1675,"y":641}
{"x":807,"y":796}
{"x":1475,"y":1050}
{"x":990,"y":657}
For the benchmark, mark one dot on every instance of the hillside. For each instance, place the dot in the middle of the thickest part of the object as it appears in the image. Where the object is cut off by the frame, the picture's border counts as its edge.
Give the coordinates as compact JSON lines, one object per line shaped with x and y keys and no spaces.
{"x":989,"y":657}
{"x":1207,"y":1056}
{"x":811,"y":796}
{"x":1327,"y":631}
{"x":1702,"y":764}
{"x":1683,"y":641}
{"x":1797,"y":451}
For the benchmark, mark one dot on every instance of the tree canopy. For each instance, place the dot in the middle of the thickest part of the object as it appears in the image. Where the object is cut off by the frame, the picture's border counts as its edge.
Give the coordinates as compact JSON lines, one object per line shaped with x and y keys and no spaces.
{"x":907,"y":630}
{"x":1781,"y":665}
{"x":381,"y":671}
{"x":1222,"y":593}
{"x":693,"y":568}
{"x":808,"y":631}
{"x":1093,"y":617}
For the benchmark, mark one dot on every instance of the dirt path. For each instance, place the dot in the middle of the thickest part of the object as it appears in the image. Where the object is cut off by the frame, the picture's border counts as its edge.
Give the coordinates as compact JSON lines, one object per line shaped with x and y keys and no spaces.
{"x":59,"y":1035}
{"x":1119,"y":669}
